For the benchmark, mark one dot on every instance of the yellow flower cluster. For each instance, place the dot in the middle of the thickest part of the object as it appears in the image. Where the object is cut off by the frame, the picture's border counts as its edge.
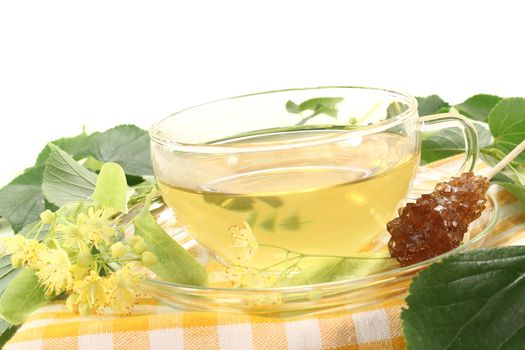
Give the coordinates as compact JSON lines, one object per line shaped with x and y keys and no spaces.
{"x":84,"y":257}
{"x":95,"y":226}
{"x":240,"y":273}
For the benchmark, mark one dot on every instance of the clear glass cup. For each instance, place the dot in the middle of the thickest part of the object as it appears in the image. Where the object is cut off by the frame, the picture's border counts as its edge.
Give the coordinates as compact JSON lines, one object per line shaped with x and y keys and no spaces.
{"x":316,"y":171}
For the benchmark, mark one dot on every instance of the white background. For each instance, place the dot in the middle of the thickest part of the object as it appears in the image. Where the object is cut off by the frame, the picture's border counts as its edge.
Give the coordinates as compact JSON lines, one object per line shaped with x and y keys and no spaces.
{"x":100,"y":63}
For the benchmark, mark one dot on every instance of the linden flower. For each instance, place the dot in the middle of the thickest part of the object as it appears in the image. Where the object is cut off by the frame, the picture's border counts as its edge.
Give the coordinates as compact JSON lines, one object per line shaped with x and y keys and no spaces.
{"x":70,"y":236}
{"x":89,"y":294}
{"x":53,"y":270}
{"x":95,"y":226}
{"x":23,"y":251}
{"x":123,"y":292}
{"x":244,"y":238}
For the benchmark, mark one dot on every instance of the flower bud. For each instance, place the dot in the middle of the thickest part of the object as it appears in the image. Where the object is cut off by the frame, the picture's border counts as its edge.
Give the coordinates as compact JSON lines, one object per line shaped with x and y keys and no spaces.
{"x":84,"y":309}
{"x":139,"y":248}
{"x":133,"y":240}
{"x":84,"y":258}
{"x":118,"y":250}
{"x":47,"y":217}
{"x":148,"y":258}
{"x":71,"y":302}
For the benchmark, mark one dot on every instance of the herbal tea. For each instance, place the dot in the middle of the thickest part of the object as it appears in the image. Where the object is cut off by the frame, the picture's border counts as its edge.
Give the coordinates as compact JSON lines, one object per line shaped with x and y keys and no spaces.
{"x":330,"y":199}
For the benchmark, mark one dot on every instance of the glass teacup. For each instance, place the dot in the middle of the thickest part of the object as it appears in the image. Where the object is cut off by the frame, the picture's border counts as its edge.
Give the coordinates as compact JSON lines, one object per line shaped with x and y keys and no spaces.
{"x":316,"y":171}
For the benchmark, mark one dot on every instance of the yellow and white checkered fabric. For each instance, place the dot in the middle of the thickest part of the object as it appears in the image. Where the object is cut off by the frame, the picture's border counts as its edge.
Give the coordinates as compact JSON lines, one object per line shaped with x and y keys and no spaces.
{"x":152,"y":326}
{"x":157,"y":327}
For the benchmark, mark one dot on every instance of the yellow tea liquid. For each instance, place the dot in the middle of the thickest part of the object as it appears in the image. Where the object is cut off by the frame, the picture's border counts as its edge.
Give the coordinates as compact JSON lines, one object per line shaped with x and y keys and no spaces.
{"x":329,"y":199}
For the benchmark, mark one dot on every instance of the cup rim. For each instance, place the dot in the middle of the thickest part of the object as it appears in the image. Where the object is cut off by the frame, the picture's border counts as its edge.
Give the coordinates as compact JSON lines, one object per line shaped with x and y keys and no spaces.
{"x":296,"y":143}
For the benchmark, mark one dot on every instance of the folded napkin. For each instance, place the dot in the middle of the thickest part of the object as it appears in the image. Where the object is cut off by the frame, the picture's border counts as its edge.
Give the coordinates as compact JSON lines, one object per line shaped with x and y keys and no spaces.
{"x":153,"y":326}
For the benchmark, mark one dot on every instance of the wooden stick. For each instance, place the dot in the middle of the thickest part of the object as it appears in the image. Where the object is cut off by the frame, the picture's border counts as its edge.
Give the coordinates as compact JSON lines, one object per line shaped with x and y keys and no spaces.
{"x":491,"y":172}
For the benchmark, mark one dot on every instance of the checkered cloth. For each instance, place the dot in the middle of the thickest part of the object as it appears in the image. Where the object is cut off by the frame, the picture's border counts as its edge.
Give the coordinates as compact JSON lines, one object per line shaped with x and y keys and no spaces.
{"x":158,"y":327}
{"x":153,"y":326}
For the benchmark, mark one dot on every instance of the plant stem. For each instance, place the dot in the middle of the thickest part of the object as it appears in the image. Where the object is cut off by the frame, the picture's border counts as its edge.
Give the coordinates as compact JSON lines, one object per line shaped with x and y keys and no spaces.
{"x":321,"y":255}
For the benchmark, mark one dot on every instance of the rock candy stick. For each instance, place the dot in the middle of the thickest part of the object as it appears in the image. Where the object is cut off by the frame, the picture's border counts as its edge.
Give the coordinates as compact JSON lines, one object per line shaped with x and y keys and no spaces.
{"x":437,"y":222}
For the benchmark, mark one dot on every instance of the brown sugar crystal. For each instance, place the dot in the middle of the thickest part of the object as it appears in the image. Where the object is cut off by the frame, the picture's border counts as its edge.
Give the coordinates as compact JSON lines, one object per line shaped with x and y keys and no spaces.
{"x":436,"y":222}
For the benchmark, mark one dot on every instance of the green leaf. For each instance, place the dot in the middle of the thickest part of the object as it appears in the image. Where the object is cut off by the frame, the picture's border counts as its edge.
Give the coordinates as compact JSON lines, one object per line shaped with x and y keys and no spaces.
{"x":320,"y":270}
{"x":6,"y":332}
{"x":174,"y":264}
{"x":227,"y":202}
{"x":77,"y":147}
{"x":5,"y":227}
{"x":395,"y":108}
{"x":111,"y":189}
{"x":28,"y":194}
{"x":326,"y":105}
{"x":514,"y":172}
{"x":274,"y":202}
{"x":292,"y":107}
{"x":507,"y":124}
{"x":73,"y":209}
{"x":21,"y":204}
{"x":7,"y":273}
{"x":92,"y":164}
{"x":126,"y":145}
{"x":268,"y":224}
{"x":429,"y":105}
{"x":444,"y":109}
{"x":448,"y":142}
{"x":318,"y":105}
{"x":291,"y":223}
{"x":468,"y":301}
{"x":22,"y":296}
{"x":65,"y":180}
{"x":478,"y":107}
{"x":133,"y":180}
{"x":30,"y":176}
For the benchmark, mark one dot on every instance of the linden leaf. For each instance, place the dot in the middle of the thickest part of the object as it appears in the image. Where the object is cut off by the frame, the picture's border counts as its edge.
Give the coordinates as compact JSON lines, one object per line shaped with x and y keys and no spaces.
{"x":174,"y":264}
{"x":65,"y":180}
{"x":326,"y":105}
{"x":478,"y":107}
{"x":318,"y":105}
{"x":430,"y":105}
{"x":226,"y":202}
{"x":507,"y":124}
{"x":77,"y":147}
{"x":111,"y":189}
{"x":21,"y":204}
{"x":448,"y":142}
{"x":126,"y":145}
{"x":468,"y":301}
{"x":7,"y":272}
{"x":6,"y":332}
{"x":30,"y":176}
{"x":292,"y":107}
{"x":320,"y":270}
{"x":23,"y":295}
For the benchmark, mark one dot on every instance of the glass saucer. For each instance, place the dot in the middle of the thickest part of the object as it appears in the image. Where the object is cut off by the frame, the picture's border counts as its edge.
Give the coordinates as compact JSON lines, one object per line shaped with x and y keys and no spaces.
{"x":350,"y":294}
